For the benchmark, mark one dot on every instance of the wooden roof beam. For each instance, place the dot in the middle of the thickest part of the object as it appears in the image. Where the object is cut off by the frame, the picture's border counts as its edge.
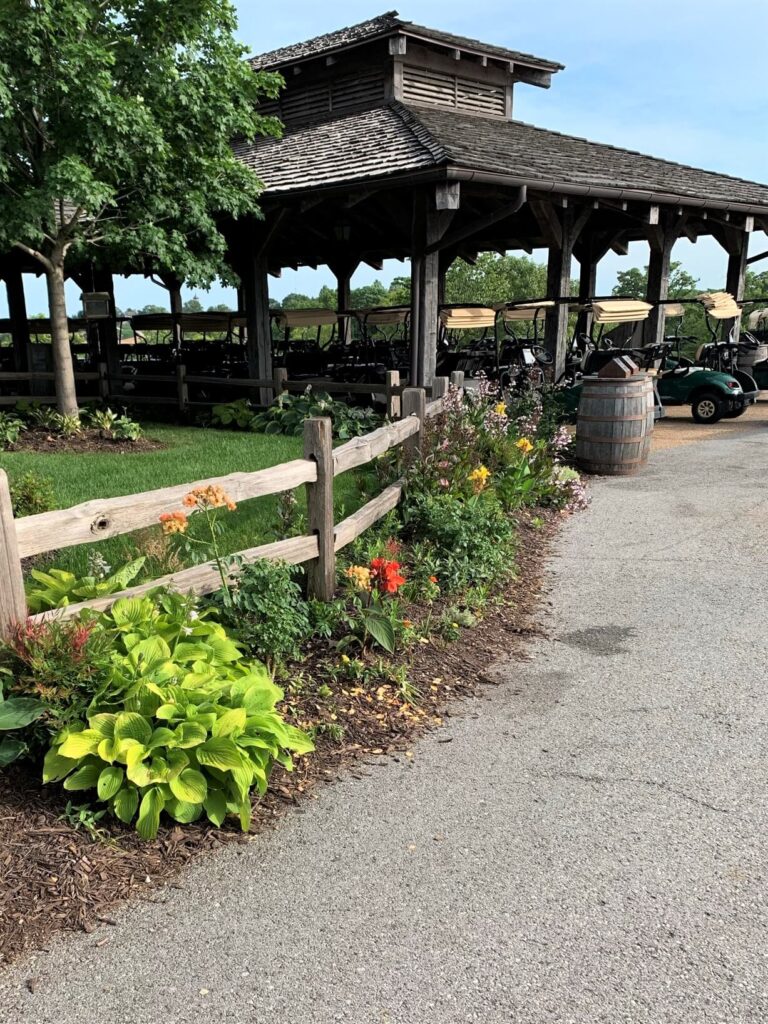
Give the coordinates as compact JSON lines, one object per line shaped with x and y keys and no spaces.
{"x":548,"y":221}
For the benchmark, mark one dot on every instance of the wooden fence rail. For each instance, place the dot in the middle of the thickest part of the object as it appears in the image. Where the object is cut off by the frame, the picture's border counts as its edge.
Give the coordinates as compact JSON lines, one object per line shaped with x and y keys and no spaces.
{"x":101,"y":518}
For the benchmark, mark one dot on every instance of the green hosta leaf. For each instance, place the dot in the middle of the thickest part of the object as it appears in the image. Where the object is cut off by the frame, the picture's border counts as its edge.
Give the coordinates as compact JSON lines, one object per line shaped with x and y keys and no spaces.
{"x":262,"y":696}
{"x":80,"y":744}
{"x":162,"y":737}
{"x":86,"y":777}
{"x":123,"y":578}
{"x":219,"y":753}
{"x":104,"y":725}
{"x":10,"y":750}
{"x":16,"y":712}
{"x":225,"y":651}
{"x":131,"y":726}
{"x":151,"y":653}
{"x":189,"y":786}
{"x":177,"y":762}
{"x":56,"y":767}
{"x":244,"y":813}
{"x":382,"y":631}
{"x":192,"y":652}
{"x":298,"y":741}
{"x":125,"y":803}
{"x":110,"y":781}
{"x":230,"y":722}
{"x":216,"y":807}
{"x":109,"y":750}
{"x":131,"y":611}
{"x":182,"y":811}
{"x":167,"y":712}
{"x":190,"y":734}
{"x":271,"y":724}
{"x":148,"y":822}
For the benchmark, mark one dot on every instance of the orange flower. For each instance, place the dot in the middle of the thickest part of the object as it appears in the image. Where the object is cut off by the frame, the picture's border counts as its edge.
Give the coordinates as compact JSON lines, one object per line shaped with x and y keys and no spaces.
{"x":433,"y":579}
{"x":174,"y":522}
{"x":208,"y":497}
{"x":386,"y":575}
{"x":407,"y":623}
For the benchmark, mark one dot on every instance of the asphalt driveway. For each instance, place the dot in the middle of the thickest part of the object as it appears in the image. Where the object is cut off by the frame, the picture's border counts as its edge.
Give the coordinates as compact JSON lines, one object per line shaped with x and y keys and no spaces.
{"x":590,"y":846}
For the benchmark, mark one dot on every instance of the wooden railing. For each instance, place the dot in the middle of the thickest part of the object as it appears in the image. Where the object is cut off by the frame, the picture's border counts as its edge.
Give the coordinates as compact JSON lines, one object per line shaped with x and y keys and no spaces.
{"x":390,"y":389}
{"x":101,"y":518}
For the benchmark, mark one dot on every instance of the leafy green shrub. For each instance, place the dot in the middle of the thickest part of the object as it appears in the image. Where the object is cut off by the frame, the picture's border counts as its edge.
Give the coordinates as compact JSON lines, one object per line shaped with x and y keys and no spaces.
{"x":185,"y":724}
{"x":266,"y":611}
{"x":10,"y":429}
{"x":287,"y":414}
{"x":126,"y":429}
{"x":233,"y":414}
{"x":469,"y":540}
{"x":65,"y":664}
{"x":32,"y":494}
{"x":68,"y":424}
{"x":58,"y":588}
{"x":43,"y":417}
{"x":15,"y":714}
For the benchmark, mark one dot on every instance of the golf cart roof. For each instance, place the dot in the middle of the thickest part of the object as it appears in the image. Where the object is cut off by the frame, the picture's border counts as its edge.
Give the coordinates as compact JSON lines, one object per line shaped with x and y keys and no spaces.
{"x":719,"y":305}
{"x":620,"y":311}
{"x":527,"y":310}
{"x":467,"y":318}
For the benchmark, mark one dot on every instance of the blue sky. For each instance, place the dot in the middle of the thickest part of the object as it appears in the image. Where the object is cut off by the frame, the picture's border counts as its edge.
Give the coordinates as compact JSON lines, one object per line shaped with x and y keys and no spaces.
{"x":681,"y":79}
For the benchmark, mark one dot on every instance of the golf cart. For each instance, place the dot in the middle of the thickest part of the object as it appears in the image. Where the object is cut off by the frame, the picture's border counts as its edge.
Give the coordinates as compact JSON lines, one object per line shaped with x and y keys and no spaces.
{"x":522,"y":358}
{"x":711,"y":393}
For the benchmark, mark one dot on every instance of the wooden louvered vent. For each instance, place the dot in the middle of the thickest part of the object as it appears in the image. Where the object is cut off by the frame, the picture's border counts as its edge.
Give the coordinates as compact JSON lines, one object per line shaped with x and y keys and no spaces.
{"x":350,"y":92}
{"x":439,"y":89}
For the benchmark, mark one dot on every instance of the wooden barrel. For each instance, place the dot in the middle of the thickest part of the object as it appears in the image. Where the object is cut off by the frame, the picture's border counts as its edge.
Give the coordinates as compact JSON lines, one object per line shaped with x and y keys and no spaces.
{"x":614,"y":425}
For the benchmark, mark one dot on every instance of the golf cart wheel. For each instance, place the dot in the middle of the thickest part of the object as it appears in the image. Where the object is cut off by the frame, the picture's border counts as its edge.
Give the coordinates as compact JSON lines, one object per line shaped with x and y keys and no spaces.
{"x":707,"y":408}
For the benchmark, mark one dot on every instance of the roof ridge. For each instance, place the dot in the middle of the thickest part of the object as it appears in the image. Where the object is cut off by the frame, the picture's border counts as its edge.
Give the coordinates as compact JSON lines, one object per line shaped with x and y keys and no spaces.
{"x":419,"y":130}
{"x":380,"y":23}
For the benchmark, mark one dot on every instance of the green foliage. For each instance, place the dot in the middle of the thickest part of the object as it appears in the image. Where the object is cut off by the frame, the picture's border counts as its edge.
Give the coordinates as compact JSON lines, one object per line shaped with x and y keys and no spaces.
{"x":120,"y":428}
{"x":15,"y":713}
{"x":10,"y":429}
{"x":32,"y":494}
{"x":470,"y":540}
{"x":493,"y":279}
{"x":266,"y":611}
{"x":82,"y":816}
{"x":58,"y":588}
{"x":35,"y":414}
{"x":67,"y":424}
{"x":287,"y":415}
{"x":63,"y":663}
{"x":233,"y":414}
{"x":186,"y":725}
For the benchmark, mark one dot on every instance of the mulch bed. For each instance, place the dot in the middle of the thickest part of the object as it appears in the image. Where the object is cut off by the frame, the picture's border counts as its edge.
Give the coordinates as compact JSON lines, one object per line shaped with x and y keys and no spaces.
{"x":89,"y":440}
{"x":54,"y":877}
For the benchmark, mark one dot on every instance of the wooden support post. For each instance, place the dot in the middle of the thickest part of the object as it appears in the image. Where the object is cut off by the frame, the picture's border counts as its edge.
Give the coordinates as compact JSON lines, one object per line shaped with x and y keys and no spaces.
{"x":104,"y":382}
{"x":182,"y":388}
{"x":343,"y":271}
{"x":588,"y":260}
{"x":416,"y":277}
{"x":106,"y":331}
{"x":259,"y":340}
{"x":393,"y":394}
{"x":558,"y":287}
{"x":457,"y":378}
{"x":430,"y":224}
{"x":13,"y":603}
{"x":414,"y":404}
{"x":661,"y":242}
{"x":439,"y":387}
{"x":17,"y":312}
{"x":318,"y":446}
{"x":735,"y":279}
{"x":280,"y":378}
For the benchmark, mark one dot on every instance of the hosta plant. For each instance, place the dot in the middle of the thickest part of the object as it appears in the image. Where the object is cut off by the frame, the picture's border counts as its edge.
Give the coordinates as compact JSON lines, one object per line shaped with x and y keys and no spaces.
{"x":187,"y":726}
{"x":15,"y":714}
{"x":58,"y":588}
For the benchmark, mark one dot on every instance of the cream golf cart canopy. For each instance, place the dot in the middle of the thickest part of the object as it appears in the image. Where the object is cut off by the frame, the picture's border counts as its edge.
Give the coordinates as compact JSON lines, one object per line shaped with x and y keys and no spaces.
{"x":467,"y":318}
{"x":620,"y":311}
{"x":385,"y":316}
{"x":673,"y":309}
{"x":720,"y":305}
{"x":307,"y":318}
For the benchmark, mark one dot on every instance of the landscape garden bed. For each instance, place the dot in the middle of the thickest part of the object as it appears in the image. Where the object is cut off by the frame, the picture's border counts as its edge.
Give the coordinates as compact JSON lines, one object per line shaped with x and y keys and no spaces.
{"x":155,"y":710}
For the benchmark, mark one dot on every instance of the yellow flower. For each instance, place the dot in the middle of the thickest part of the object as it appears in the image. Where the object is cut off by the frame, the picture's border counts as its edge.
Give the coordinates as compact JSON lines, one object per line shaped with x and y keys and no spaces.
{"x":479,"y":478}
{"x":524,"y":445}
{"x":360,"y":576}
{"x":173,"y":522}
{"x":500,"y":409}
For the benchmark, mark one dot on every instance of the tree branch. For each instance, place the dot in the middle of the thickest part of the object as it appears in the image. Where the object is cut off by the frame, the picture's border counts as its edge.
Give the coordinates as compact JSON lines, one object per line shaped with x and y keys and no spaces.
{"x":35,"y":254}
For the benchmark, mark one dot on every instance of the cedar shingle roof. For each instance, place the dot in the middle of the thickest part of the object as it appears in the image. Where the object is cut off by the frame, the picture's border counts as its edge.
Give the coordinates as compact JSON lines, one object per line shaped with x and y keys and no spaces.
{"x":382,"y":26}
{"x":393,"y":139}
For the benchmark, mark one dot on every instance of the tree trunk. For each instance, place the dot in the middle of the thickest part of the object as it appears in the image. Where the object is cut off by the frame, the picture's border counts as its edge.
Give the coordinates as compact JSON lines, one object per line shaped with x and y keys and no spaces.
{"x":63,"y":369}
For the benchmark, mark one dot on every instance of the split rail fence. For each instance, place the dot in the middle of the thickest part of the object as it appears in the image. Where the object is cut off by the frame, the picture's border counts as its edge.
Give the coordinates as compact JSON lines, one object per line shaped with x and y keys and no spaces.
{"x":102,"y":518}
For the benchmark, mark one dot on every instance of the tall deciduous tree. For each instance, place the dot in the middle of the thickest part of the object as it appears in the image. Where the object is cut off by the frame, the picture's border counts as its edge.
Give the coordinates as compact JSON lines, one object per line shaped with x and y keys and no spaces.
{"x":116,"y":119}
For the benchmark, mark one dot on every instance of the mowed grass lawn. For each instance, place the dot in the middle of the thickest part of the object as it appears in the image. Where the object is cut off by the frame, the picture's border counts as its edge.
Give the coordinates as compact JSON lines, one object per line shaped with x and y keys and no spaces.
{"x":191,"y":454}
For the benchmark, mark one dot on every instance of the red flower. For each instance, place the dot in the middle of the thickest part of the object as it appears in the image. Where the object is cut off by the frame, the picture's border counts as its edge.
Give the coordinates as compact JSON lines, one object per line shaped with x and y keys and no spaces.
{"x":386,"y":575}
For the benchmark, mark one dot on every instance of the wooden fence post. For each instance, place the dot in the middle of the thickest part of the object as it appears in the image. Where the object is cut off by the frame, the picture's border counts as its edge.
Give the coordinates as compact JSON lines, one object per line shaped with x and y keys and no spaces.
{"x":393,"y":394}
{"x":439,"y":387}
{"x":414,"y":404}
{"x":318,"y":446}
{"x":13,"y":603}
{"x":103,"y":382}
{"x":457,"y":378}
{"x":279,"y":379}
{"x":182,"y":388}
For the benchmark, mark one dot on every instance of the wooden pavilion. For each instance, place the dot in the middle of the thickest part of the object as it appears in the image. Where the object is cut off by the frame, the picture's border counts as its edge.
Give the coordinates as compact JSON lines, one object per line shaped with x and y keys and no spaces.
{"x":400,"y":142}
